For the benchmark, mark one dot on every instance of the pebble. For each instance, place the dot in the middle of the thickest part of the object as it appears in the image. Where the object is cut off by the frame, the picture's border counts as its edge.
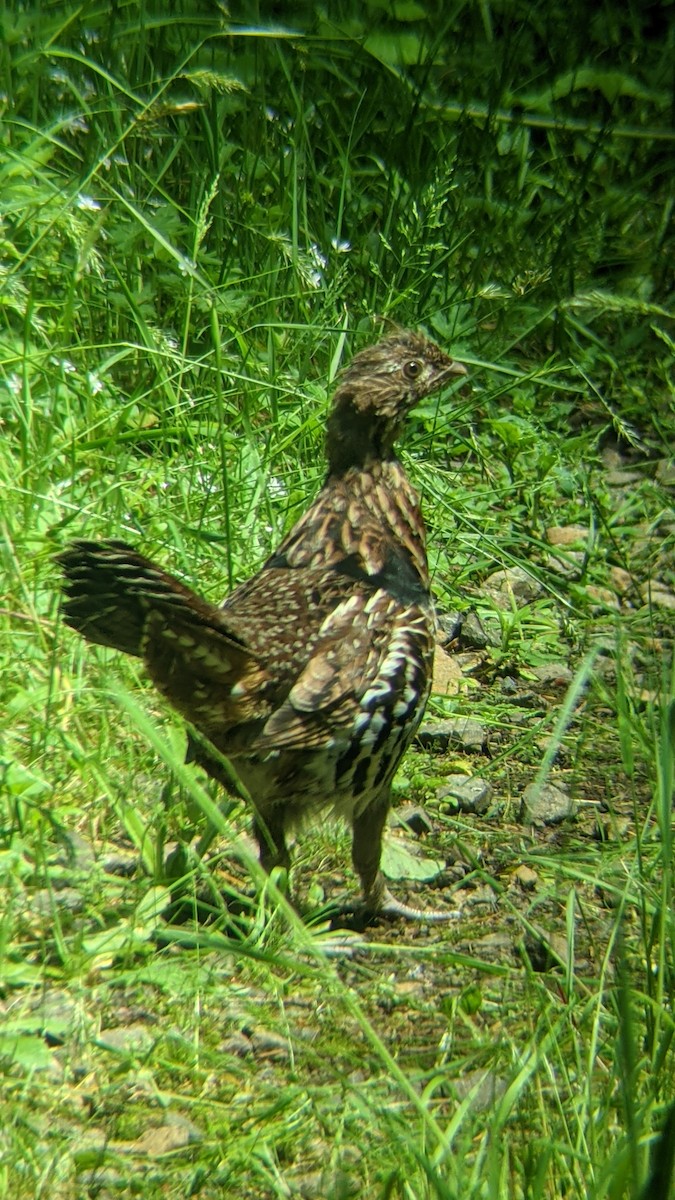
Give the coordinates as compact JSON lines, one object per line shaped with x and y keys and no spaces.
{"x":415,"y":818}
{"x":130,"y":1039}
{"x":547,"y":805}
{"x":513,"y":583}
{"x":566,"y":535}
{"x":450,"y":624}
{"x":481,"y":1088}
{"x":665,"y":472}
{"x":657,"y":593}
{"x":621,"y":579}
{"x":526,"y":878}
{"x":601,"y":597}
{"x":458,"y":733}
{"x":477,"y":633}
{"x":622,"y":478}
{"x":468,"y":793}
{"x":568,"y":563}
{"x":558,"y":674}
{"x":265,"y":1041}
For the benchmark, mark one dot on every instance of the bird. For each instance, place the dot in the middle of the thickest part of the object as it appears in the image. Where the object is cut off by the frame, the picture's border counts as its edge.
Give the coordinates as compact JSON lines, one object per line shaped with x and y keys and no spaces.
{"x":311,"y":678}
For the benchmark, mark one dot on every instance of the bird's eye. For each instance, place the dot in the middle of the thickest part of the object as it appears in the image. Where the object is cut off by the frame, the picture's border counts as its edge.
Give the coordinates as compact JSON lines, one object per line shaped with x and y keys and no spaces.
{"x":412,"y":369}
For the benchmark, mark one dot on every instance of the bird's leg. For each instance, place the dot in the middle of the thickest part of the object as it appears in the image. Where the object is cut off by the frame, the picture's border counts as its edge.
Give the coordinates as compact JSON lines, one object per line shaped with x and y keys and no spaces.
{"x":367,"y":851}
{"x":366,"y":854}
{"x":271,"y":837}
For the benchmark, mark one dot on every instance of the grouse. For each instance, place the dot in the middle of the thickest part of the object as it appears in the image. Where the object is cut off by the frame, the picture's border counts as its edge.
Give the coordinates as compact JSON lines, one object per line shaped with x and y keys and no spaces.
{"x":313,"y":675}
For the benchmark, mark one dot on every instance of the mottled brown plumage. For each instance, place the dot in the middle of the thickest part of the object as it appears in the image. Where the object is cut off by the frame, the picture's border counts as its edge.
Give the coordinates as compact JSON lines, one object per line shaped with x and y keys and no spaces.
{"x":313,"y":675}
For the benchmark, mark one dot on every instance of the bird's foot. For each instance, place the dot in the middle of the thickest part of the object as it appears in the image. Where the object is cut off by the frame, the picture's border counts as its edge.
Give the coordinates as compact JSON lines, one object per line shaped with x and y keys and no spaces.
{"x":390,"y":907}
{"x":359,"y":914}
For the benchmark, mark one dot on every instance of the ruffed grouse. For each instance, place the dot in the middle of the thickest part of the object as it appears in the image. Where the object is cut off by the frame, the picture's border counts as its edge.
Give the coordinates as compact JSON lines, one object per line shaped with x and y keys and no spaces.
{"x":313,"y":676}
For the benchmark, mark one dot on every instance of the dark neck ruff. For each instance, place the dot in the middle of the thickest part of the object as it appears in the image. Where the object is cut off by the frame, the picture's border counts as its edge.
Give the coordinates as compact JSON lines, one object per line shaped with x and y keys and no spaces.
{"x":357,"y":439}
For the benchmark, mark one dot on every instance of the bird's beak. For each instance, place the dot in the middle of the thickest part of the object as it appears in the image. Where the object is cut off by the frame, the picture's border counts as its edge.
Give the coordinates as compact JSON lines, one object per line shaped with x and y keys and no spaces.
{"x":455,"y":368}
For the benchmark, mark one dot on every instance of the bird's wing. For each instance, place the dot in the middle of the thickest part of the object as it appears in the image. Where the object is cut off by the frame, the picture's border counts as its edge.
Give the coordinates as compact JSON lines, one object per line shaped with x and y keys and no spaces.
{"x":295,"y":658}
{"x":368,"y":669}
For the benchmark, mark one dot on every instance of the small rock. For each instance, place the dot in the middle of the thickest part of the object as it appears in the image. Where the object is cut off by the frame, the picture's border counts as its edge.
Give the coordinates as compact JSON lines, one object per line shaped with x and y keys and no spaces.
{"x":493,"y":947}
{"x":450,"y":625}
{"x":568,"y":563}
{"x":477,"y":633}
{"x":665,"y":472}
{"x":566,"y":535}
{"x":120,"y":862}
{"x":513,"y":583}
{"x":46,"y":901}
{"x":415,"y":818}
{"x":447,"y":675}
{"x":558,"y":674}
{"x":601,"y":597}
{"x":265,"y":1041}
{"x":548,"y":805}
{"x":483,"y":1087}
{"x":174,"y":1134}
{"x":657,"y":593}
{"x":237,"y":1044}
{"x":469,"y":794}
{"x":545,"y":950}
{"x":526,"y":878}
{"x":77,"y":853}
{"x":622,"y":580}
{"x":130,"y":1039}
{"x":622,"y":478}
{"x":459,"y":733}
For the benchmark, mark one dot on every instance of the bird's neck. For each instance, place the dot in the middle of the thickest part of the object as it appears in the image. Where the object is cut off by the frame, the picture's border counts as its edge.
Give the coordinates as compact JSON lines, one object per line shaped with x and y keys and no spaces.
{"x":357,"y":439}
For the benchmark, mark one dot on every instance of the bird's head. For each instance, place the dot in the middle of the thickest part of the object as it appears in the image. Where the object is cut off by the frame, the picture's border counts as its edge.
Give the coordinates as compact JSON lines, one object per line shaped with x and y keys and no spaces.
{"x":376,"y":390}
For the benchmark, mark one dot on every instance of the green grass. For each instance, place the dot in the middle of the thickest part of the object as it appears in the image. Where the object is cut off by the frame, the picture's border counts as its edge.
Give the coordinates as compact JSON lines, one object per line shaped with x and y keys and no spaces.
{"x":200,"y":216}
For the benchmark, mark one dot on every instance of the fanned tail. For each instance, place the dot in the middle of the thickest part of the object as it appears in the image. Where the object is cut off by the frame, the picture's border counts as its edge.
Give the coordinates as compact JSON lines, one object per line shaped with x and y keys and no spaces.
{"x":111,"y":591}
